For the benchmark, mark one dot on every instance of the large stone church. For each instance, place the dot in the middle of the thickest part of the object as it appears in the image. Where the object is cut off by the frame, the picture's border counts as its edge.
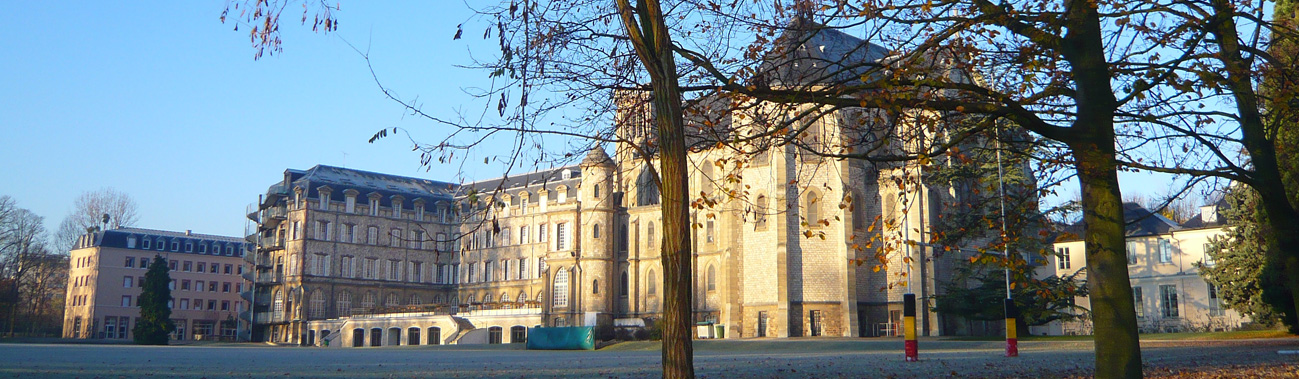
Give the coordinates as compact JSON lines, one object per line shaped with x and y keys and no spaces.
{"x":786,"y":242}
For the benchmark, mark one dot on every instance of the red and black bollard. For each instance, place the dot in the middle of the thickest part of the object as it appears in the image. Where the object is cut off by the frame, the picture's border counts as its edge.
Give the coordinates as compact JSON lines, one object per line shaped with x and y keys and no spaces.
{"x":909,"y":326}
{"x":1012,"y":335}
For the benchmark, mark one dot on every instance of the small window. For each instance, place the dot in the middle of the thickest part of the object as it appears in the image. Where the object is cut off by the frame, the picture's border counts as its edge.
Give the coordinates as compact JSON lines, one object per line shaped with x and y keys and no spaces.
{"x":1168,"y":300}
{"x":1062,"y":254}
{"x":127,"y":281}
{"x":595,"y":286}
{"x":595,"y":231}
{"x":189,"y":247}
{"x":1165,"y":251}
{"x":130,"y":262}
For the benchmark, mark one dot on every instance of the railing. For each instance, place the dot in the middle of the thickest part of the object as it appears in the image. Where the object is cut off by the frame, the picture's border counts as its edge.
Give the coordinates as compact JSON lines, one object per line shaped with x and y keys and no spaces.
{"x":270,"y":317}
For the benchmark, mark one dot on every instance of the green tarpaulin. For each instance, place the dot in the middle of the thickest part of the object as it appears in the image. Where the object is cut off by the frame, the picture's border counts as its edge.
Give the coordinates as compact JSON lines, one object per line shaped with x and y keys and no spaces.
{"x":567,"y":338}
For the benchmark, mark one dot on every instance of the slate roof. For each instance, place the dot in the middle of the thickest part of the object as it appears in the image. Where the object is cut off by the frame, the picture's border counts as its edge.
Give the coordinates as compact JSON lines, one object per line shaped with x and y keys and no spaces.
{"x":365,"y":182}
{"x":811,"y":53}
{"x":1140,"y":222}
{"x":117,"y":238}
{"x":1198,"y":222}
{"x":532,"y":182}
{"x":1143,"y":222}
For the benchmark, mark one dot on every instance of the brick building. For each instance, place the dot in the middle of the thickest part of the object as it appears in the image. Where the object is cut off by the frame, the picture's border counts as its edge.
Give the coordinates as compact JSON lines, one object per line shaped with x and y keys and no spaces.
{"x":107,"y":271}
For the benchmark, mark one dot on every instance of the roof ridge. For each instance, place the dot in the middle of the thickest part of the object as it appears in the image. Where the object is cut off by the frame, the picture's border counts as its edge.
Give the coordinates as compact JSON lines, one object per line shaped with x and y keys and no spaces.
{"x":172,"y":233}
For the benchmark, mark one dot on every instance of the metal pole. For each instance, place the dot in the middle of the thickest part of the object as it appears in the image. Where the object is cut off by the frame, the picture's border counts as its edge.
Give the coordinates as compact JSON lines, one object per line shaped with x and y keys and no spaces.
{"x":1012,"y":342}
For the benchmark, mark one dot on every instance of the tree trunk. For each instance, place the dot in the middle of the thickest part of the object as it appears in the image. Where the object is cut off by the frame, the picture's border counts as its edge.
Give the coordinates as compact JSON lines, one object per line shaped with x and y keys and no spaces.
{"x":1091,"y":140}
{"x":1118,"y":352}
{"x":649,"y":35}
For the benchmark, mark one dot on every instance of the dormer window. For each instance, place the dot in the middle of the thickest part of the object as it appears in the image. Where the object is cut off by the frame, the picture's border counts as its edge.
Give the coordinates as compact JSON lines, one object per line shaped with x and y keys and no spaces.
{"x":523,"y":204}
{"x":146,"y":243}
{"x":419,"y":210}
{"x":374,"y":204}
{"x":349,"y":198}
{"x":323,"y":193}
{"x":130,"y":242}
{"x":563,"y":194}
{"x":397,"y":205}
{"x":175,"y":245}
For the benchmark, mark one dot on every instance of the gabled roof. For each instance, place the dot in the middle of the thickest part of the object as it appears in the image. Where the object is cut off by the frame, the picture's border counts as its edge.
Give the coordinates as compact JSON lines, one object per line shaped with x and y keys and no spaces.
{"x":1142,"y":222}
{"x":812,"y":53}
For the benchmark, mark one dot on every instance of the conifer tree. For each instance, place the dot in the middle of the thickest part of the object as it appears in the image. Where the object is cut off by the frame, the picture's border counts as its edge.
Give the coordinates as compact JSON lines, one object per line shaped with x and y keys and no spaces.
{"x":155,"y":316}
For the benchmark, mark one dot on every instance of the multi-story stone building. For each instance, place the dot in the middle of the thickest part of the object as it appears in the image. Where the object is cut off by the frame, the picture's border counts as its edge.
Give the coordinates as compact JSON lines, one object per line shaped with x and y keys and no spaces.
{"x":107,"y":271}
{"x":1167,"y":288}
{"x":778,"y":239}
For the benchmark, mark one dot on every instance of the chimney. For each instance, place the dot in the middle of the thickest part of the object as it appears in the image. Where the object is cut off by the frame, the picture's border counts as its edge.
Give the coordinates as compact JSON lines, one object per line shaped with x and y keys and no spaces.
{"x":1209,"y":213}
{"x":188,"y":232}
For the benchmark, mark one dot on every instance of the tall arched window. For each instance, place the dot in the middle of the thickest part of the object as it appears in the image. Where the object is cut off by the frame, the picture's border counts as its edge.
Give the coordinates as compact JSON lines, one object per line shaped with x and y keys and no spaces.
{"x":652,"y":241}
{"x":760,"y":211}
{"x":812,"y":208}
{"x":647,"y":190}
{"x":278,"y":302}
{"x":595,"y":231}
{"x":523,"y":297}
{"x":391,"y":300}
{"x":561,"y":288}
{"x":487,"y":298}
{"x":623,"y":285}
{"x":595,"y":286}
{"x":316,"y":307}
{"x":415,"y":300}
{"x":712,"y":278}
{"x":368,"y":300}
{"x":344,"y":304}
{"x":651,"y":287}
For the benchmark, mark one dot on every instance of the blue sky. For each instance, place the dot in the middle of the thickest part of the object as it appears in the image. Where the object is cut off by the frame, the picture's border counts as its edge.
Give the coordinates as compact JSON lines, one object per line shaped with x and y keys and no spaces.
{"x":162,"y":101}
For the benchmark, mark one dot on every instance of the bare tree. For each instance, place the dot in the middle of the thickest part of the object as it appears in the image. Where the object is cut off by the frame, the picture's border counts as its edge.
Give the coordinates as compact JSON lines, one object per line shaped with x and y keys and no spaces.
{"x":22,"y":247}
{"x":105,"y":207}
{"x":1097,"y":83}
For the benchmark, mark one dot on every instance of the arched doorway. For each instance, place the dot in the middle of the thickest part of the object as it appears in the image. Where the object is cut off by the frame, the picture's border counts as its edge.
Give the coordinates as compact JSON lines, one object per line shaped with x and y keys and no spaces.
{"x":434,"y":335}
{"x":358,"y":337}
{"x":394,"y":337}
{"x":412,"y":336}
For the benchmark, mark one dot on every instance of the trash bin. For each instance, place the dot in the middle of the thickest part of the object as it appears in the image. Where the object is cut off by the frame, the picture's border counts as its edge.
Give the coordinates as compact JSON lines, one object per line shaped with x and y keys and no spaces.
{"x":704,"y":330}
{"x":721,"y":331}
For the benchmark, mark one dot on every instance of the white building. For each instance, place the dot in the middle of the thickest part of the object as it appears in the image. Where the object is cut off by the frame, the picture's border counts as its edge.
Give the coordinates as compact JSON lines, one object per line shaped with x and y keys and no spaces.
{"x":1169,"y":292}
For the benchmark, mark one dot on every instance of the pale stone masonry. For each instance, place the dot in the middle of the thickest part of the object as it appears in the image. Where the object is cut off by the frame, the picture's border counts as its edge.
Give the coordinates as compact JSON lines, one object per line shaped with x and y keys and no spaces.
{"x":785,"y":243}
